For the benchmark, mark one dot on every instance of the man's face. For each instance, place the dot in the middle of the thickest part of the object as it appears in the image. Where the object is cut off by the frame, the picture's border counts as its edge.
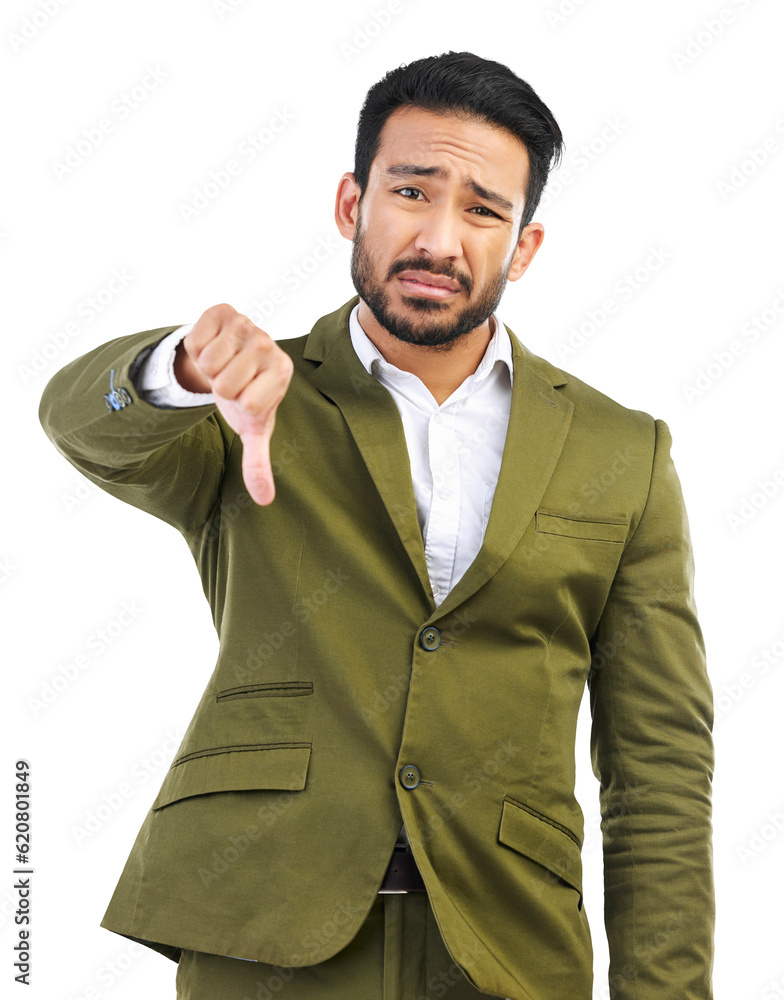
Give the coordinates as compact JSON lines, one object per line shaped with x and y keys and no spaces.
{"x":437,"y":228}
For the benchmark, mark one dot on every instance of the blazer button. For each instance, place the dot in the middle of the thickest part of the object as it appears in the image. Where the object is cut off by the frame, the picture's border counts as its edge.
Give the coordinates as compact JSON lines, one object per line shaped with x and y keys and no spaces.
{"x":430,"y":639}
{"x":409,"y":776}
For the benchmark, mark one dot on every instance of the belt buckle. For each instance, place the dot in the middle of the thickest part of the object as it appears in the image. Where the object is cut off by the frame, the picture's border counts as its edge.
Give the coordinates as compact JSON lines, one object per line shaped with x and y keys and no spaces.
{"x":402,"y":874}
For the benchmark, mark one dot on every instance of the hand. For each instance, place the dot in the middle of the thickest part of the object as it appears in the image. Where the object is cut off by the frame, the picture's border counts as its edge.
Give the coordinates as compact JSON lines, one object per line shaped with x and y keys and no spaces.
{"x":248,"y":374}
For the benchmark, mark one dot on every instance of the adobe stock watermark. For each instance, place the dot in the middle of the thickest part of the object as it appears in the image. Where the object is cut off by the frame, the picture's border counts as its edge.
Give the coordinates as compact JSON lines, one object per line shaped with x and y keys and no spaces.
{"x":754,"y":159}
{"x":623,"y":290}
{"x":734,"y":691}
{"x":707,"y":33}
{"x":224,"y":7}
{"x":607,"y":649}
{"x":292,"y":279}
{"x":582,"y":159}
{"x":672,"y":924}
{"x":474,"y":780}
{"x":112,"y":801}
{"x":7,"y":569}
{"x":287,"y":450}
{"x":396,"y":689}
{"x":95,"y":645}
{"x":761,"y":837}
{"x":83,"y":491}
{"x":758,"y":499}
{"x":120,"y":109}
{"x":108,"y":974}
{"x":774,"y":990}
{"x":591,"y":491}
{"x":726,"y":358}
{"x":457,"y":448}
{"x":559,"y":14}
{"x":303,"y":610}
{"x":221,"y":178}
{"x":33,"y":23}
{"x":268,"y":813}
{"x":363,"y":34}
{"x":623,"y":804}
{"x":86,"y":310}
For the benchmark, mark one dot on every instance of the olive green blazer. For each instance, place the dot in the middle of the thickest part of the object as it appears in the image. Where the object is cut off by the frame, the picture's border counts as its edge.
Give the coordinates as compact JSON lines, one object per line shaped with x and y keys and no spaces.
{"x":343,"y":702}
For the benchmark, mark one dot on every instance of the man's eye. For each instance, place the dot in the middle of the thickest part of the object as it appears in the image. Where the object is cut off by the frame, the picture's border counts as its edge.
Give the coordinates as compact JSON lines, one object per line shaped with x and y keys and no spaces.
{"x":414,"y":191}
{"x":485,"y":212}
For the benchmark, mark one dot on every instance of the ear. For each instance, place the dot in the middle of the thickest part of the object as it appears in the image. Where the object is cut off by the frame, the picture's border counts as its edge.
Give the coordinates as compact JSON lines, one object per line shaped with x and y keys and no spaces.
{"x":525,"y":251}
{"x":347,"y":206}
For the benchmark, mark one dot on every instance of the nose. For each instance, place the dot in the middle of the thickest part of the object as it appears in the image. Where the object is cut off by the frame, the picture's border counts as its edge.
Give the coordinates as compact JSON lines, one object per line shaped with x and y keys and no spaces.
{"x":439,"y":234}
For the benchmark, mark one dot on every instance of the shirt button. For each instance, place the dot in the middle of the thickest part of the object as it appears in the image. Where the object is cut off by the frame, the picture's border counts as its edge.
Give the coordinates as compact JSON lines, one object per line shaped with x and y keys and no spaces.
{"x":409,"y":776}
{"x":430,"y":639}
{"x":445,"y":494}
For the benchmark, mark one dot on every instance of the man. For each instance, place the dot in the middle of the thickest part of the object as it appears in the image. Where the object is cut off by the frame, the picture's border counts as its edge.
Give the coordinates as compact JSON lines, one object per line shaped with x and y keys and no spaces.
{"x":413,"y":580}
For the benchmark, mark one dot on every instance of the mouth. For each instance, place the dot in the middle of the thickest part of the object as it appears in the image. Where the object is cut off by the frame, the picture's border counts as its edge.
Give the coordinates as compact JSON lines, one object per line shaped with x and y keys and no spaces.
{"x":432,"y":286}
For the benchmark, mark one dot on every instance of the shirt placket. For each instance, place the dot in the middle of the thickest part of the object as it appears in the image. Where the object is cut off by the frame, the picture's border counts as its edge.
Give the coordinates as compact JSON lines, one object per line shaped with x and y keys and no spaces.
{"x":444,"y":516}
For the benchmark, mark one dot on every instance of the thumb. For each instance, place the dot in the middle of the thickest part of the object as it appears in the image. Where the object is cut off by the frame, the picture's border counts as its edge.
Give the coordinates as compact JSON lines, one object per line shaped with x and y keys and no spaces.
{"x":256,"y":466}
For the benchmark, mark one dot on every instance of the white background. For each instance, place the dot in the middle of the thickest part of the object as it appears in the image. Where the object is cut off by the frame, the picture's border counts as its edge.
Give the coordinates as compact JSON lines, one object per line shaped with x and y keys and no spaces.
{"x":688,"y":103}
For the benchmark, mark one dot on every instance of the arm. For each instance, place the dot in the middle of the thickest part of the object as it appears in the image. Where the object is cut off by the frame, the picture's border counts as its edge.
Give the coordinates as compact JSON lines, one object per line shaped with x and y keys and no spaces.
{"x":161,"y":379}
{"x":652,"y":752}
{"x":169,"y":461}
{"x":131,"y":451}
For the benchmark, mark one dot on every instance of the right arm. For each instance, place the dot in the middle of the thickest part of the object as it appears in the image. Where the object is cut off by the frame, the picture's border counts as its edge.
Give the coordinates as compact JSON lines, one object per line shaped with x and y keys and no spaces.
{"x":170,"y":462}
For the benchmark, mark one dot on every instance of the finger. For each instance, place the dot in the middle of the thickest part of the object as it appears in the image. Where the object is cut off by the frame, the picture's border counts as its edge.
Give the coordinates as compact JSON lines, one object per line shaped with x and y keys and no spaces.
{"x":256,"y":467}
{"x":239,"y":337}
{"x":237,"y":375}
{"x":263,"y":393}
{"x":207,"y":327}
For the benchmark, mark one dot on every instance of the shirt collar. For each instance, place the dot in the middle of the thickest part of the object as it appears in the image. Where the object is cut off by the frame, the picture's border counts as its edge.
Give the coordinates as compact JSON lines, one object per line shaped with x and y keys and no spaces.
{"x":499,"y":349}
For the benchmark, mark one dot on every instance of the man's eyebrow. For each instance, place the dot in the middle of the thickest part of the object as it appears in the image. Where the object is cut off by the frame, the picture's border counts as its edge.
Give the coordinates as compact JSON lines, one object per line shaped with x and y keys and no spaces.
{"x":415,"y":170}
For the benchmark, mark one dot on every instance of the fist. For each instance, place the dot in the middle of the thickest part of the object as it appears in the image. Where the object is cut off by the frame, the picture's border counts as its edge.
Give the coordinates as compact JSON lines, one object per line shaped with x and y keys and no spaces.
{"x":248,"y":374}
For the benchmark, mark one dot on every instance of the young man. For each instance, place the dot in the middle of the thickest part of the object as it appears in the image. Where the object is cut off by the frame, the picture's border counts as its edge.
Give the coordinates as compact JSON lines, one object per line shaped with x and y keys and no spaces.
{"x":410,"y":609}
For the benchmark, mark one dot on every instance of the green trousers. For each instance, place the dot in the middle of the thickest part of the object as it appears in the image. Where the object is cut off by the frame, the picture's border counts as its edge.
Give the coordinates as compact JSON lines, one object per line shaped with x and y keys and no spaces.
{"x":397,"y":954}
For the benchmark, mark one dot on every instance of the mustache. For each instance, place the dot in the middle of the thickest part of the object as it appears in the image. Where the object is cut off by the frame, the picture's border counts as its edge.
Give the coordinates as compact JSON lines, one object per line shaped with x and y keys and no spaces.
{"x":446,"y":269}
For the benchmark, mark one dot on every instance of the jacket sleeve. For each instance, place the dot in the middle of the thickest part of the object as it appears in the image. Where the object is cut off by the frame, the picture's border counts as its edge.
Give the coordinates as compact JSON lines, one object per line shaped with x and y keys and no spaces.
{"x":168,"y":462}
{"x":652,"y":751}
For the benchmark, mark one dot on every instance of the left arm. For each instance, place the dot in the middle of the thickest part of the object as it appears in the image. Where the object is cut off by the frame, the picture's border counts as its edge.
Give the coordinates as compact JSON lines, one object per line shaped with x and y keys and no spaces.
{"x":652,"y":752}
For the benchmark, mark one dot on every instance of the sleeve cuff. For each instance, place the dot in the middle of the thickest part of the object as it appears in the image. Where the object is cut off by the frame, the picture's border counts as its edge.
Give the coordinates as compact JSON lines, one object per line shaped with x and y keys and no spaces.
{"x":155,"y":381}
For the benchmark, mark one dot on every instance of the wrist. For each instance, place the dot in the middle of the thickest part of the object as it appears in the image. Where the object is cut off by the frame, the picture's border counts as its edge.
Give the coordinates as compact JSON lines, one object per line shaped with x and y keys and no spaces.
{"x":187,"y":374}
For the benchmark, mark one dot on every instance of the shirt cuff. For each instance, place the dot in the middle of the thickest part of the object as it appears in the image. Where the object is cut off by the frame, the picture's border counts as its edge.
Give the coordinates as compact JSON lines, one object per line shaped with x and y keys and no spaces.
{"x":155,"y":381}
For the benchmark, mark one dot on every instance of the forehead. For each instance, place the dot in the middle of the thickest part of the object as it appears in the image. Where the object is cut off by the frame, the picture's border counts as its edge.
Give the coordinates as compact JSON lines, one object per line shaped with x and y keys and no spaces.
{"x":471,"y":149}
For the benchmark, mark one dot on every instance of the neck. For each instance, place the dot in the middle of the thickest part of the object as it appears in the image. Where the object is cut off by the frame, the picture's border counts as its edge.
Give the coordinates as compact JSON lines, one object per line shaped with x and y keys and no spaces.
{"x":441,"y":371}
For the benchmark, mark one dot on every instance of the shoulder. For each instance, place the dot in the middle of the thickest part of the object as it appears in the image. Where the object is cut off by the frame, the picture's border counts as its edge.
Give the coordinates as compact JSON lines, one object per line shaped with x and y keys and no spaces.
{"x":591,"y":407}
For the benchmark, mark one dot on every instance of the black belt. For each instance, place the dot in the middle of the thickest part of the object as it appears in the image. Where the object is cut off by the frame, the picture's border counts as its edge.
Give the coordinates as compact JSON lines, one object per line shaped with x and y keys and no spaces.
{"x":402,"y":875}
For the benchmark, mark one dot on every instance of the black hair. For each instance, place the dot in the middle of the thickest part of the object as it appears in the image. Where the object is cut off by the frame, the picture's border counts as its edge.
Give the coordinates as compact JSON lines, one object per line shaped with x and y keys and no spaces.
{"x":468,"y":86}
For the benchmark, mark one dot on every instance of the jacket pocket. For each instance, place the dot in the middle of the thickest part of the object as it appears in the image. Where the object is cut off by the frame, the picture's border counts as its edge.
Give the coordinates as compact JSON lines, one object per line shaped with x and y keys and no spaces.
{"x":605,"y":529}
{"x":543,"y":841}
{"x":282,"y":766}
{"x":274,"y":689}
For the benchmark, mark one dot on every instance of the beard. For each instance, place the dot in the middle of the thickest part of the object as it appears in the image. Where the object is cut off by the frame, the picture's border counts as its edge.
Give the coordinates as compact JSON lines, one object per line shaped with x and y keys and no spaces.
{"x":428,"y":330}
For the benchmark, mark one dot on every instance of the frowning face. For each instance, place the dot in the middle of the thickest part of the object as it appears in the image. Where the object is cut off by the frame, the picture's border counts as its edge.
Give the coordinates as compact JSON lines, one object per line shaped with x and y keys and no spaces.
{"x":436,"y":234}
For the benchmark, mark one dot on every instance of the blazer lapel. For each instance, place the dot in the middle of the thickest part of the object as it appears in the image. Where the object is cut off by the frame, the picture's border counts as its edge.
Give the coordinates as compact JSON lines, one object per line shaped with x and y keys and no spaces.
{"x":375,"y":424}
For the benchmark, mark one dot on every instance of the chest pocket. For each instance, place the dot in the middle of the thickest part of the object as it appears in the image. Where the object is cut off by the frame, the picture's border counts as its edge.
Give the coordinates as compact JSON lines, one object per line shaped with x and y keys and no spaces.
{"x":613,"y":528}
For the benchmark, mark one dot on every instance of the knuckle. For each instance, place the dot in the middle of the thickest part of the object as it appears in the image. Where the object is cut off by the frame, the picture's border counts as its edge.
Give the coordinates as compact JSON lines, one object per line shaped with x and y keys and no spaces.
{"x":222,"y":386}
{"x":221,"y":312}
{"x":252,"y":405}
{"x":242,"y":329}
{"x":286,"y":366}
